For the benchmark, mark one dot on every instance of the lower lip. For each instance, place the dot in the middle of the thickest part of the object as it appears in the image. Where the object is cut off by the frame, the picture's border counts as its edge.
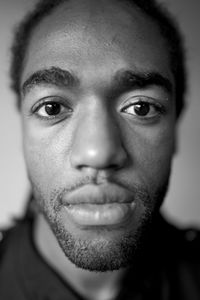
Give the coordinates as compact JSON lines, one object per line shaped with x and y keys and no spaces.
{"x":100,"y":214}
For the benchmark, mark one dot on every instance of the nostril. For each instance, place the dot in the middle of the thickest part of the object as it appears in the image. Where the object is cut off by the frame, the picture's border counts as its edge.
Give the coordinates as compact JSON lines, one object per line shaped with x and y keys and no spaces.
{"x":101,"y":157}
{"x":97,"y":143}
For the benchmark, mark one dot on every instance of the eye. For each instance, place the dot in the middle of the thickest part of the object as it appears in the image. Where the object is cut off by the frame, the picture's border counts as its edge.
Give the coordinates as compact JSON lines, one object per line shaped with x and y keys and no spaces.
{"x":51,"y":109}
{"x":143,"y":109}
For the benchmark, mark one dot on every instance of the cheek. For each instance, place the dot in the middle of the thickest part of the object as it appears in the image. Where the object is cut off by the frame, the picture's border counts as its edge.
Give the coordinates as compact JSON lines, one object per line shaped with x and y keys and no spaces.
{"x":46,"y":153}
{"x":151,"y":150}
{"x":157,"y":159}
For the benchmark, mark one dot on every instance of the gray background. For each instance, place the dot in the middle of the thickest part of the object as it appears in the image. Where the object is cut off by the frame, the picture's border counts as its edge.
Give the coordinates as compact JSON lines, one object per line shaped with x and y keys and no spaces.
{"x":182,"y":204}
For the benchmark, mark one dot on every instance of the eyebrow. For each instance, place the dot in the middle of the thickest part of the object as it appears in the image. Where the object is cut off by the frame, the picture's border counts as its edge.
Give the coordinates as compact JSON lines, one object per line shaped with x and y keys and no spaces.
{"x":52,"y":76}
{"x":128,"y":79}
{"x":124,"y":80}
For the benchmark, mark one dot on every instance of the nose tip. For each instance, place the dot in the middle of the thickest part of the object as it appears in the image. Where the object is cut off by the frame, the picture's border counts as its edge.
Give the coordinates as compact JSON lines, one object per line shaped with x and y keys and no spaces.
{"x":102,"y":156}
{"x":98,"y":146}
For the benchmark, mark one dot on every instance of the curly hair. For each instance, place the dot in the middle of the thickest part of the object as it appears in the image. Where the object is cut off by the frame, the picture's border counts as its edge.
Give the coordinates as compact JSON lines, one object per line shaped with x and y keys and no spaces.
{"x":166,"y":24}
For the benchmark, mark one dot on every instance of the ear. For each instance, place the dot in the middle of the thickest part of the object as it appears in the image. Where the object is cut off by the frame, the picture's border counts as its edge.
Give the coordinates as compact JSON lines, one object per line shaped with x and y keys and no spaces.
{"x":176,"y":140}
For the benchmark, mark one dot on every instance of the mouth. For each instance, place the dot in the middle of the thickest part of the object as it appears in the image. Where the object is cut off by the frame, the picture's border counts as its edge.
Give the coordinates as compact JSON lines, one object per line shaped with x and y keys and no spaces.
{"x":100,"y":214}
{"x":99,"y":205}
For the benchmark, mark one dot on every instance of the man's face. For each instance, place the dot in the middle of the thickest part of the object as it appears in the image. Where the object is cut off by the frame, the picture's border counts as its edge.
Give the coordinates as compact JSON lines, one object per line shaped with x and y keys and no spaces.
{"x":98,"y":114}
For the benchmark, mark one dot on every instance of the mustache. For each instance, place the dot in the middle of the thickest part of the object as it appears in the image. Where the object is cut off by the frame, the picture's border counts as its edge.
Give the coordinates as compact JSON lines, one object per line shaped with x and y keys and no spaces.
{"x":88,"y":180}
{"x":136,"y":189}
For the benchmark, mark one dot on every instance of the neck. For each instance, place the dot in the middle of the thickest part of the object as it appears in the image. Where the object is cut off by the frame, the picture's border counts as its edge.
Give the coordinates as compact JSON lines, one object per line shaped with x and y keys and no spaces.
{"x":92,"y":285}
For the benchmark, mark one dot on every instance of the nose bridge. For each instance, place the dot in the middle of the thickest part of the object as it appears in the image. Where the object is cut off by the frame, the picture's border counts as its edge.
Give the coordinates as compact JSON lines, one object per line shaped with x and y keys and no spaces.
{"x":97,"y":141}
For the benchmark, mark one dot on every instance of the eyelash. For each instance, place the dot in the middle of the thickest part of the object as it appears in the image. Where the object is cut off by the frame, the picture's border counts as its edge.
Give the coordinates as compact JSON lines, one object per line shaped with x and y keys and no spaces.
{"x":160,"y":109}
{"x":46,"y":101}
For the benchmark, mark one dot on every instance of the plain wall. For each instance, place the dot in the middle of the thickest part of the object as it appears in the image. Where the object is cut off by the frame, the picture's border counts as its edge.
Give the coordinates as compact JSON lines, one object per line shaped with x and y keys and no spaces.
{"x":182,"y":204}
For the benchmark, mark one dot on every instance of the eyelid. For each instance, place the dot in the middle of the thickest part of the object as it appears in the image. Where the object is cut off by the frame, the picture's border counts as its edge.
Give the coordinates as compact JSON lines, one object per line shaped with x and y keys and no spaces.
{"x":141,"y":99}
{"x":158,"y":108}
{"x":50,"y":99}
{"x":51,"y":119}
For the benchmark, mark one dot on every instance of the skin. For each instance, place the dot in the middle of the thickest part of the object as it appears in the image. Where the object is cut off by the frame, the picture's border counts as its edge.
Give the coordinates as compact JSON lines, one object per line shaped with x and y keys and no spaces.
{"x":97,"y":138}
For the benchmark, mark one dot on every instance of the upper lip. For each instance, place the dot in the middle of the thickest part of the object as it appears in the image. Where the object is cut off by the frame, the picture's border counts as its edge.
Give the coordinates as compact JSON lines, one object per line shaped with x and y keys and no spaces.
{"x":98,"y":194}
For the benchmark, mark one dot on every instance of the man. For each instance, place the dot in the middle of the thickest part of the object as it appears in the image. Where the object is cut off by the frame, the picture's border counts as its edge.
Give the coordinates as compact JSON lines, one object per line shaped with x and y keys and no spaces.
{"x":100,"y":88}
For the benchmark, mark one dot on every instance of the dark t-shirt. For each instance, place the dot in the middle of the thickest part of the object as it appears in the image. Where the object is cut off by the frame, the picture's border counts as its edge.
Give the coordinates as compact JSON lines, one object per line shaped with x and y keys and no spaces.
{"x":167,"y":267}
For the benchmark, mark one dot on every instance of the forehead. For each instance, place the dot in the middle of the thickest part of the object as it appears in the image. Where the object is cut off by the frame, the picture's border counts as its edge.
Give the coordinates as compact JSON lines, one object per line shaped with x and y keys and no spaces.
{"x":82,"y":33}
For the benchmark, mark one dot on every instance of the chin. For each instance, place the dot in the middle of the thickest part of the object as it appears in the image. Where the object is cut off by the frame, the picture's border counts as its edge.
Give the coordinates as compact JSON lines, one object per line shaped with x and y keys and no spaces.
{"x":103,"y":249}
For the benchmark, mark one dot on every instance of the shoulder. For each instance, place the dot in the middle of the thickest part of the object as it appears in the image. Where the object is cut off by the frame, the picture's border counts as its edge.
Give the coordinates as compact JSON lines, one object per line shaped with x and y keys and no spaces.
{"x":5,"y":238}
{"x":179,"y":242}
{"x":4,"y":235}
{"x":9,"y":236}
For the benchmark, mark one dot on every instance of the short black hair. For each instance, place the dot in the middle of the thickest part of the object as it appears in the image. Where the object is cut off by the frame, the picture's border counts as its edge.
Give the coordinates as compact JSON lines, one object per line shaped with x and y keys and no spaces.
{"x":167,"y":26}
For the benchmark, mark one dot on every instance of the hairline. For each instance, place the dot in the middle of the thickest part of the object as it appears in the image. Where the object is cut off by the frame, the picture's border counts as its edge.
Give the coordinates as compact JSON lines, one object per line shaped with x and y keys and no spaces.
{"x":141,"y":8}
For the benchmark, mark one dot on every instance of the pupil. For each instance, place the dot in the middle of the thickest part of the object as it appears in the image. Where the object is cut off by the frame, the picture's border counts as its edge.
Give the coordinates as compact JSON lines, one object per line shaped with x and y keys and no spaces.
{"x":142,"y":109}
{"x":52,"y":109}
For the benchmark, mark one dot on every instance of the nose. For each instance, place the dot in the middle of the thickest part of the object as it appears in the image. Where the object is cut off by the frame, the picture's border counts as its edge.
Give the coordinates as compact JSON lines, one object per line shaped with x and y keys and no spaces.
{"x":97,"y":142}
